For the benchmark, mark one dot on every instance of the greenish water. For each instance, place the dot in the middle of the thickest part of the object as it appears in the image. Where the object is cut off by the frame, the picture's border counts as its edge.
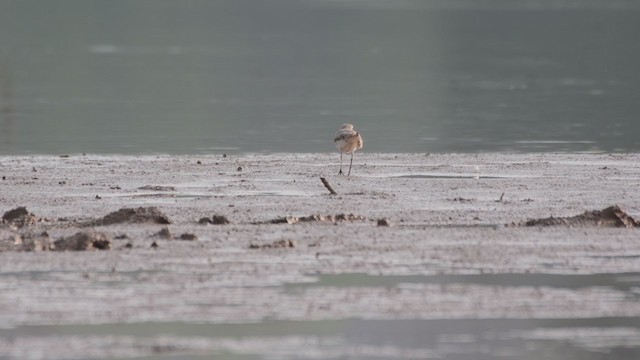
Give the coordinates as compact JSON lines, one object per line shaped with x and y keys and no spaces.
{"x":196,"y":76}
{"x":355,"y":338}
{"x":482,"y":339}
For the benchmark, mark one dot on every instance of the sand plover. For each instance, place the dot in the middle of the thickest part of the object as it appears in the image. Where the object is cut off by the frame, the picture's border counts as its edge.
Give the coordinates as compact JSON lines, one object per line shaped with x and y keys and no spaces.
{"x":347,"y":140}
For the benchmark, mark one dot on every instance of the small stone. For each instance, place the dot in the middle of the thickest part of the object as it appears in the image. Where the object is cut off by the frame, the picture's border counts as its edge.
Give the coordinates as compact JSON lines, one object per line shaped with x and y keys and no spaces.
{"x":154,"y":245}
{"x":384,"y":222}
{"x":239,"y":168}
{"x":189,"y":237}
{"x":215,"y":220}
{"x":199,"y":162}
{"x":219,"y":220}
{"x":164,"y":233}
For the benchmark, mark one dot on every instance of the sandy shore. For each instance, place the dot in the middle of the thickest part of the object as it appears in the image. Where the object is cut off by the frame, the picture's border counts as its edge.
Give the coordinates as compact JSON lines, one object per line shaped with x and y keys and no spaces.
{"x":451,"y":254}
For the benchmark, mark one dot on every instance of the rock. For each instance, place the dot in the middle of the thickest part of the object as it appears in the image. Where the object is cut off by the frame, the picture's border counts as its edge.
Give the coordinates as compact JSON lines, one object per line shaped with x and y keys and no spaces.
{"x":187,"y":236}
{"x":83,"y":240}
{"x":384,"y":222}
{"x":164,"y":233}
{"x":215,"y":220}
{"x":129,"y":215}
{"x":19,"y":217}
{"x":612,"y":216}
{"x":219,"y":220}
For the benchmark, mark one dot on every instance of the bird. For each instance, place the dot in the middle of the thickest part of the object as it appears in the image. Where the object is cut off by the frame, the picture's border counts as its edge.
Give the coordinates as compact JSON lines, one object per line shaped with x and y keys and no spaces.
{"x":347,"y":140}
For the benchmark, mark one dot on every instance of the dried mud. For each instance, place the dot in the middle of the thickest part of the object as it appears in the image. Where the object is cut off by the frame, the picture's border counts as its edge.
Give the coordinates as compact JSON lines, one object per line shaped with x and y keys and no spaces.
{"x":612,"y":216}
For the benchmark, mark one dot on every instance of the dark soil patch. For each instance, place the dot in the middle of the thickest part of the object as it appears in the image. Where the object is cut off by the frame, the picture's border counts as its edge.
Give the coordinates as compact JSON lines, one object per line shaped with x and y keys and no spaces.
{"x":84,"y":240}
{"x":280,"y":244}
{"x":164,"y":233}
{"x":215,"y":220}
{"x":19,"y":217}
{"x":129,"y":215}
{"x":33,"y":242}
{"x":188,"y":237}
{"x":157,"y":188}
{"x":319,"y":218}
{"x":612,"y":216}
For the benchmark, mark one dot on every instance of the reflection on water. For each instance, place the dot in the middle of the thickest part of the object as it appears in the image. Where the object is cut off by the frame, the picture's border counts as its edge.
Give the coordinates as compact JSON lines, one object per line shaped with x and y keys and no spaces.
{"x":356,"y":338}
{"x":245,"y":75}
{"x":600,"y":338}
{"x":624,"y":282}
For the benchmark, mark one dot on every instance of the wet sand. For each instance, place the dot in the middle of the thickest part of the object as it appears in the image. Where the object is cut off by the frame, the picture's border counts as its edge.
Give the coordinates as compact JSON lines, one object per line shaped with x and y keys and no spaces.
{"x":455,"y":273}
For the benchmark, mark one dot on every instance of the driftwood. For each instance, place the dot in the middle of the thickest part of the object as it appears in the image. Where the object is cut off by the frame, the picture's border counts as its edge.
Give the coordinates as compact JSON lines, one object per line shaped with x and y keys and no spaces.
{"x":326,"y":184}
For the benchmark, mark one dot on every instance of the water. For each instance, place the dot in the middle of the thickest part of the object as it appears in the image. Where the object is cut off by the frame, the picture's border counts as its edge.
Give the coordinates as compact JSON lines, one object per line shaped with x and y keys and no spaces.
{"x":357,"y":338}
{"x":197,"y":76}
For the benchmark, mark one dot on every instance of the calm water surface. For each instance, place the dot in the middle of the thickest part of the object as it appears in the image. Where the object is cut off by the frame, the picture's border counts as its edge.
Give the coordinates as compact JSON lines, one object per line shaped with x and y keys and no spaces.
{"x":196,"y":76}
{"x":355,"y":338}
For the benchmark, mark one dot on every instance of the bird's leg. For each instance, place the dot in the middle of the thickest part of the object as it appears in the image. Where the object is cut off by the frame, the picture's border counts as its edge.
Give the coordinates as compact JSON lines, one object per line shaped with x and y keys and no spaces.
{"x":340,"y":172}
{"x":351,"y":163}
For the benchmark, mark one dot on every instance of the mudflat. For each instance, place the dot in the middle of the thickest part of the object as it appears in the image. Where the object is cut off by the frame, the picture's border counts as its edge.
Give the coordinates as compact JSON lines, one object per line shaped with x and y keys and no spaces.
{"x":414,"y":256}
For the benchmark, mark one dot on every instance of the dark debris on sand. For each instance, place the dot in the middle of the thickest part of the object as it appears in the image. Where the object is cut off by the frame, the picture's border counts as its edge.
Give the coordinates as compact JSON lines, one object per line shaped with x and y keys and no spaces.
{"x":19,"y":217}
{"x":83,"y":240}
{"x":157,"y":188}
{"x":33,"y":242}
{"x":319,"y":218}
{"x":612,"y":216}
{"x":280,"y":244}
{"x":188,"y":237}
{"x":164,"y":233}
{"x":139,"y":215}
{"x":214,"y":220}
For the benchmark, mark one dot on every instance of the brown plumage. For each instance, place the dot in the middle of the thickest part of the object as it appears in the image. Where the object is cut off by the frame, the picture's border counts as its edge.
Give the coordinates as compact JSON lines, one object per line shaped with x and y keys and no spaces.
{"x":347,"y":140}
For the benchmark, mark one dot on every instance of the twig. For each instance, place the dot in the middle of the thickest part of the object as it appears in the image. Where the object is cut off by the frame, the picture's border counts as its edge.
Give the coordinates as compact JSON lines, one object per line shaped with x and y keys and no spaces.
{"x":326,"y":184}
{"x":501,"y":196}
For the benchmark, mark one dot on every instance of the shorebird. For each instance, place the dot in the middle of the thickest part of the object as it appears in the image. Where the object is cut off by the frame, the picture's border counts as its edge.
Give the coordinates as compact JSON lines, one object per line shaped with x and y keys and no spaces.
{"x":347,"y":140}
